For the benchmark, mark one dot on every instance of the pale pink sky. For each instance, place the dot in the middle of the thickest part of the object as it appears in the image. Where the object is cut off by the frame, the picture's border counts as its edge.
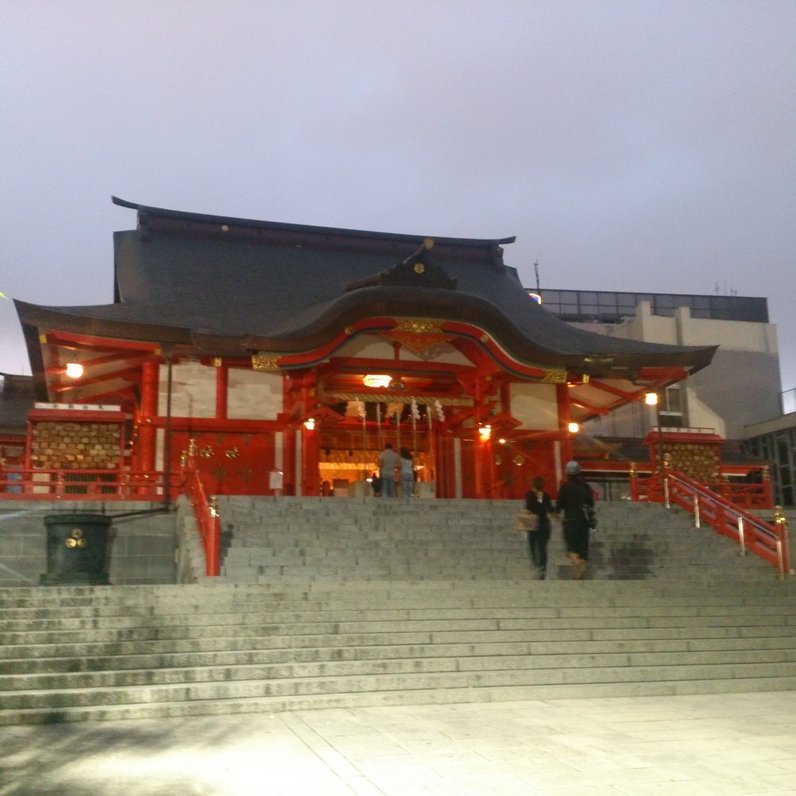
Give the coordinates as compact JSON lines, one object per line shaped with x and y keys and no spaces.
{"x":643,"y":146}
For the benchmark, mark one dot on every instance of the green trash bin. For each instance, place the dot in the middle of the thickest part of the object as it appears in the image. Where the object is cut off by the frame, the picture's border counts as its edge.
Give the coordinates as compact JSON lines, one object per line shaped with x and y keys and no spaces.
{"x":77,"y":550}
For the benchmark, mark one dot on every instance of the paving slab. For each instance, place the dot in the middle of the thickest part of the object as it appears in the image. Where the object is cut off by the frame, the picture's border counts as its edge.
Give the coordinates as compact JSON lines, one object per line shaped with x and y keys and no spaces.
{"x":695,"y":745}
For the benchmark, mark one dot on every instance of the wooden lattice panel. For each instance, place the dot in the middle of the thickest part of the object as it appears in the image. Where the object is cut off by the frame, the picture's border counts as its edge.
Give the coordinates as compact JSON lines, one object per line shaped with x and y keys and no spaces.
{"x":72,"y":446}
{"x":700,"y":462}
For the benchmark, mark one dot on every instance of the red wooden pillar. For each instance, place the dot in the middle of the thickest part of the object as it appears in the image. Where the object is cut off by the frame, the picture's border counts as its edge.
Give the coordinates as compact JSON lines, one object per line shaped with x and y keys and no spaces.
{"x":562,"y":398}
{"x":149,"y":412}
{"x":485,"y":465}
{"x":309,"y":460}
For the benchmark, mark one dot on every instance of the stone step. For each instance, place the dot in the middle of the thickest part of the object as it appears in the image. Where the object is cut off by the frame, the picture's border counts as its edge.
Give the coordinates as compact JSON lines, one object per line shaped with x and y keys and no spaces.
{"x":769,"y":663}
{"x":217,"y":595}
{"x":274,"y":704}
{"x":87,"y":659}
{"x":677,"y":637}
{"x":126,"y":616}
{"x":54,"y":632}
{"x":410,"y":680}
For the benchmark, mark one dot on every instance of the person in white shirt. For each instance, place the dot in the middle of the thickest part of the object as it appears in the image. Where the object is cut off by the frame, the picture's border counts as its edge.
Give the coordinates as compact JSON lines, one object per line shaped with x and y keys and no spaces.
{"x":389,"y":462}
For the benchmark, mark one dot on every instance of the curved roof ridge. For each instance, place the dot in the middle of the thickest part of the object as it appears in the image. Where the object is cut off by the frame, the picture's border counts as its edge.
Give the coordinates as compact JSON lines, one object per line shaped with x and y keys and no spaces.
{"x":281,"y":226}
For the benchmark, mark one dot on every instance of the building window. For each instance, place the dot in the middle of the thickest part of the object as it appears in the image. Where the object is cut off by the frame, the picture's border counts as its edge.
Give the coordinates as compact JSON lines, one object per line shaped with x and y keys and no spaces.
{"x":671,"y":410}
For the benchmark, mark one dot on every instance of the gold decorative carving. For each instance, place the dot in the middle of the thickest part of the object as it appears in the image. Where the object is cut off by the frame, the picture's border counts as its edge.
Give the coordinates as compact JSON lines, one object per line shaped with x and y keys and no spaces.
{"x":421,"y":335}
{"x":217,"y":362}
{"x":265,"y":361}
{"x":233,"y":453}
{"x":75,"y":540}
{"x":206,"y":452}
{"x":555,"y":377}
{"x":420,"y":268}
{"x":419,"y":325}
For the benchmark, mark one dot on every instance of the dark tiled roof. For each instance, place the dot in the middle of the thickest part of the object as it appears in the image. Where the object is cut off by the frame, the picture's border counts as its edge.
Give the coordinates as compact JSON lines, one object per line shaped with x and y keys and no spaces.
{"x":232,"y":283}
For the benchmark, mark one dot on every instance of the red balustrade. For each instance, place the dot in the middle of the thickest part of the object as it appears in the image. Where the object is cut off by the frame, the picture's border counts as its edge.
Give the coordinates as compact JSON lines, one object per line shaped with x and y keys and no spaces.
{"x":767,"y":540}
{"x":106,"y":485}
{"x":207,"y":518}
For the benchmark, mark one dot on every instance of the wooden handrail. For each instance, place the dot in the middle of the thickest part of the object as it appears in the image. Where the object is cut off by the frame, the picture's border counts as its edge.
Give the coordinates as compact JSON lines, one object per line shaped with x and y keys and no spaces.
{"x":645,"y":484}
{"x":83,"y":484}
{"x":767,"y":540}
{"x":207,"y":519}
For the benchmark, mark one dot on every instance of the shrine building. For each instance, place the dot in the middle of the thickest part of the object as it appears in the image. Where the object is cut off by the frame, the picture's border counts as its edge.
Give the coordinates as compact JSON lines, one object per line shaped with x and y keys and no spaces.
{"x":283,"y":358}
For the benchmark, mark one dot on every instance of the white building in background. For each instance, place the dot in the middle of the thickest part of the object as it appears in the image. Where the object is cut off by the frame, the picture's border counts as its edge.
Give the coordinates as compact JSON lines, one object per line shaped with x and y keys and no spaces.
{"x":739,"y":396}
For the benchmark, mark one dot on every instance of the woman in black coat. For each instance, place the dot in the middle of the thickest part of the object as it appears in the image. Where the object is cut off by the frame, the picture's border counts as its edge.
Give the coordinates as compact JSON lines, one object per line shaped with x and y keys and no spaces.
{"x":539,"y":503}
{"x":574,"y":497}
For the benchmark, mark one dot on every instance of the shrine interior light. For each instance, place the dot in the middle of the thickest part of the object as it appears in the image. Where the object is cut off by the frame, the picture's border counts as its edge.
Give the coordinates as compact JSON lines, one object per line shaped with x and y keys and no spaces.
{"x":651,"y":398}
{"x":74,"y":370}
{"x":376,"y":380}
{"x":309,"y":423}
{"x":485,"y":432}
{"x":573,"y":428}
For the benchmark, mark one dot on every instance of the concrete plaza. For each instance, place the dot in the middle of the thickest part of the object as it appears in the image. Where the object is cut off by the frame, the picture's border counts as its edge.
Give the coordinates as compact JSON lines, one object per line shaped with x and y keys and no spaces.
{"x":690,"y":745}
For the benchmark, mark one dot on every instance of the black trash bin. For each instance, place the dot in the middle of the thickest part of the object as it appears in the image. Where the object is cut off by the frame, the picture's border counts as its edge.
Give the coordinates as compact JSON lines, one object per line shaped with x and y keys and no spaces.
{"x":77,"y":550}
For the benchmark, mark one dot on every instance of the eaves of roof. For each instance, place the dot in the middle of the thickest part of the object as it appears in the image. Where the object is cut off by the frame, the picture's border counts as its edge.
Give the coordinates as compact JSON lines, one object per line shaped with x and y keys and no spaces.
{"x":188,"y":281}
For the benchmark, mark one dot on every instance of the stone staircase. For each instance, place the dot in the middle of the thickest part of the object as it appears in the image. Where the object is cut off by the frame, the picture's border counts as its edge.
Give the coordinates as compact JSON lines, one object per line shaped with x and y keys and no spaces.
{"x":269,"y":539}
{"x":436,"y":603}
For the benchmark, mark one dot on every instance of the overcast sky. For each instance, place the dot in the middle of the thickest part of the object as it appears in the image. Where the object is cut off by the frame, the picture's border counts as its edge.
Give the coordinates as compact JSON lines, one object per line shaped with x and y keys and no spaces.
{"x":642,"y":146}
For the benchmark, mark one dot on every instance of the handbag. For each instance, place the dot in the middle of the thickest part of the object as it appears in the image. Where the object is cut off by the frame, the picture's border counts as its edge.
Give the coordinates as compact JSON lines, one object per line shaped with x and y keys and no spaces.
{"x":526,"y":521}
{"x":591,"y":517}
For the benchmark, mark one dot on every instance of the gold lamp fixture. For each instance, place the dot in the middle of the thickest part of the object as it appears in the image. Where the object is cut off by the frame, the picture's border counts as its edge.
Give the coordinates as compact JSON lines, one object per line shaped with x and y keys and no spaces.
{"x":376,"y":380}
{"x":74,"y":370}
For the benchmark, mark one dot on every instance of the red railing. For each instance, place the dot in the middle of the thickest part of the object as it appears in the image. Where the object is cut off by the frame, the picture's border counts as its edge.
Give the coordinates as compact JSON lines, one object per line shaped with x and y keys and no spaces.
{"x":114,"y":485}
{"x":767,"y":540}
{"x":39,"y":484}
{"x":207,"y":519}
{"x":755,"y":495}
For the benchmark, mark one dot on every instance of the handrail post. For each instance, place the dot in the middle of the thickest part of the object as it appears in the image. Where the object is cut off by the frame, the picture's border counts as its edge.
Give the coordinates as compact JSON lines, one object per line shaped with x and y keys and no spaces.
{"x":741,"y":538}
{"x":697,"y":523}
{"x":213,"y":544}
{"x":666,"y":502}
{"x":782,"y":525}
{"x":780,"y":562}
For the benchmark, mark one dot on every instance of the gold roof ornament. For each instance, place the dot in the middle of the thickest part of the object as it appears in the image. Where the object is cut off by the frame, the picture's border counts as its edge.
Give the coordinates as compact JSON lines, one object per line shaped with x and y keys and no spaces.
{"x":265,"y":361}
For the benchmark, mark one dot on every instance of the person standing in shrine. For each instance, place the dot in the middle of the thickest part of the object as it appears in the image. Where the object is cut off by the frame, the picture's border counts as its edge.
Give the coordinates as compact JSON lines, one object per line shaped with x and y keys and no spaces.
{"x":407,"y":475}
{"x":538,"y":502}
{"x":574,"y":499}
{"x":389,"y":462}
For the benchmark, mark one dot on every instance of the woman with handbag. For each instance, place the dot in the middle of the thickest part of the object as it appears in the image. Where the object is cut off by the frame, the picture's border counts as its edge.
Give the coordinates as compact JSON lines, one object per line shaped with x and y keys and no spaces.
{"x":538,"y":502}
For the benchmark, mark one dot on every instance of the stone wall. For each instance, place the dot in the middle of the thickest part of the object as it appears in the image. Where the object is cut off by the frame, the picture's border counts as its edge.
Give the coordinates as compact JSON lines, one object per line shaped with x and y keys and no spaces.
{"x":142,"y":547}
